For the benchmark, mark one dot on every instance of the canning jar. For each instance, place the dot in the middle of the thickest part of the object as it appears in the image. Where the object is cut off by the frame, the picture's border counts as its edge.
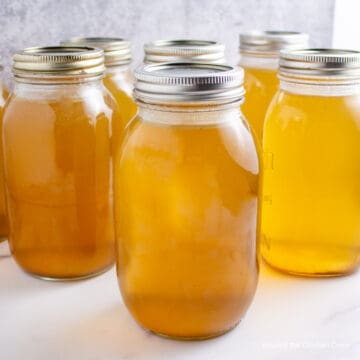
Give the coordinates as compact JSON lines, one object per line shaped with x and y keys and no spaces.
{"x":259,"y":56}
{"x":57,"y":154}
{"x":204,"y":51}
{"x":119,"y":79}
{"x":311,"y":213}
{"x":186,"y":202}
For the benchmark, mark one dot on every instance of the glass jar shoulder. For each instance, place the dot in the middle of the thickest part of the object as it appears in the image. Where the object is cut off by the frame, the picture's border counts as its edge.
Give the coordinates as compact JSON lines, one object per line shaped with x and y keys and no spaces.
{"x":89,"y":103}
{"x":120,"y":84}
{"x":260,"y":72}
{"x":119,"y":79}
{"x":260,"y":78}
{"x":288,"y":107}
{"x":185,"y":141}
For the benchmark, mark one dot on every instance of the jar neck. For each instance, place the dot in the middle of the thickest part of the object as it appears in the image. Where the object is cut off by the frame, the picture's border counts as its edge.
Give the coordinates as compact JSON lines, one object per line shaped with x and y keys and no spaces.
{"x":259,"y":62}
{"x":121,"y":77}
{"x":53,"y":90}
{"x":204,"y":115}
{"x":321,"y":86}
{"x":117,"y":70}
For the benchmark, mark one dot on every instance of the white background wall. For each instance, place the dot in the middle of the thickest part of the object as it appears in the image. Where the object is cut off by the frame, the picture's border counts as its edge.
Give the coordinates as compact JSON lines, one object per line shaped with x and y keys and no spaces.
{"x":346,"y":31}
{"x":42,"y":22}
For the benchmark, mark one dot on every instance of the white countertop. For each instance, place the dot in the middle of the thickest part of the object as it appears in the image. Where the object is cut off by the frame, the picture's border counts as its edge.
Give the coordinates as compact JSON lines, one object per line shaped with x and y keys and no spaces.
{"x":290,"y":318}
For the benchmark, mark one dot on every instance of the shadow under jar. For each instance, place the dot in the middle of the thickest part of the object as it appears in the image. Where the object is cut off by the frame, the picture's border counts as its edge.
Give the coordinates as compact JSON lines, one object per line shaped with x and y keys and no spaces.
{"x":311,"y":213}
{"x":186,"y":202}
{"x":119,"y":79}
{"x":57,"y":152}
{"x":259,"y":51}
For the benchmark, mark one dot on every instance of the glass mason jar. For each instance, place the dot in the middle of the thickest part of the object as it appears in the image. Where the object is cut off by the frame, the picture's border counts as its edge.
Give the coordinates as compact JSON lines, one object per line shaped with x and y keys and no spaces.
{"x":259,"y":57}
{"x":161,"y":51}
{"x":4,"y":227}
{"x":119,"y":79}
{"x":57,"y":127}
{"x":186,"y":202}
{"x":311,"y":214}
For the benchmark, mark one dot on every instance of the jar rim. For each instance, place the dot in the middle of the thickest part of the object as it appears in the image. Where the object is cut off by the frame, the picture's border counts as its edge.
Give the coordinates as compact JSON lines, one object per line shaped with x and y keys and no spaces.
{"x":58,"y":62}
{"x":117,"y":51}
{"x":183,"y":50}
{"x":336,"y":65}
{"x":269,"y":43}
{"x":191,"y":82}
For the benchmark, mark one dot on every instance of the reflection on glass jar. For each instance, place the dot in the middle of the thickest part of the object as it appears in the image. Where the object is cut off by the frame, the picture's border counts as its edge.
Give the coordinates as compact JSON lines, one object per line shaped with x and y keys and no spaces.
{"x":186,"y":202}
{"x":118,"y":79}
{"x":259,"y":52}
{"x":4,"y":226}
{"x":57,"y":152}
{"x":310,"y":222}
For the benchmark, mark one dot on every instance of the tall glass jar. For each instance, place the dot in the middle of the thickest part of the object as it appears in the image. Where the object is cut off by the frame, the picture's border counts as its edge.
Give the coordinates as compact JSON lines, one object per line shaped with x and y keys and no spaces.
{"x":204,"y":51}
{"x":4,"y":226}
{"x":311,"y":213}
{"x":57,"y":154}
{"x":119,"y":79}
{"x":259,"y":57}
{"x":186,"y":202}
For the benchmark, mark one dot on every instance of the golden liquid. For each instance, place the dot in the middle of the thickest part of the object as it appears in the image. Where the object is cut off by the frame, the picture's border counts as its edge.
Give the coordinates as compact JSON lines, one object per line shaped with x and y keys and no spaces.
{"x":120,"y":86}
{"x":4,"y":226}
{"x":261,"y":86}
{"x":5,"y":94}
{"x":311,"y":209}
{"x":185,"y":218}
{"x":57,"y":166}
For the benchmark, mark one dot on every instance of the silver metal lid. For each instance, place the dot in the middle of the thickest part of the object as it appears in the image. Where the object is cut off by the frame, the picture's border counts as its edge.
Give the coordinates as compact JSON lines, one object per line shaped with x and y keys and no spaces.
{"x":320,"y":63}
{"x":188,"y":83}
{"x":269,"y":43}
{"x":58,"y":62}
{"x":184,"y":51}
{"x":117,"y":51}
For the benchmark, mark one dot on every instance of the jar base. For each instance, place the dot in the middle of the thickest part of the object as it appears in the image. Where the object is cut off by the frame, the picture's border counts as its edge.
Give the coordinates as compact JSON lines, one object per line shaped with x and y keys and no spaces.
{"x":69,"y":279}
{"x":195,"y":338}
{"x":330,"y":274}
